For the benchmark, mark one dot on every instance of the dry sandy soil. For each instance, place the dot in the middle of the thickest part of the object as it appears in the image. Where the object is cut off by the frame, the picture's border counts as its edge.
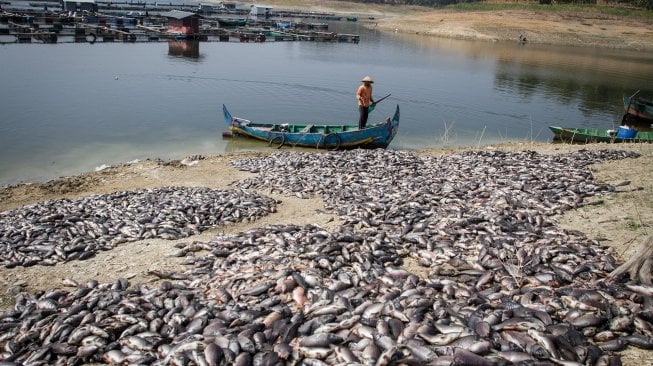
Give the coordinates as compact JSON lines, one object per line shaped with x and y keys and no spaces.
{"x":559,"y":28}
{"x":622,"y":220}
{"x":537,"y":27}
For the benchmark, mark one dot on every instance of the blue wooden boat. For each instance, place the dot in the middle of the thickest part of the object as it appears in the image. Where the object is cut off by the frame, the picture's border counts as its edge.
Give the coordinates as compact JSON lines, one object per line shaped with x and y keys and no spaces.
{"x":321,"y":136}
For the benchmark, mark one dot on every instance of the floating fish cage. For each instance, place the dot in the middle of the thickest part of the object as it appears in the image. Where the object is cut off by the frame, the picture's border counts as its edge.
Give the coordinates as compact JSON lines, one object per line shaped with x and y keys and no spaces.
{"x":25,"y":27}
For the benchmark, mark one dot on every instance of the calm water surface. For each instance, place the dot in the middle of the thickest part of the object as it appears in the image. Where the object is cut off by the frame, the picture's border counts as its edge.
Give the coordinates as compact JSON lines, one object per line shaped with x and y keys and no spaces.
{"x":69,"y":108}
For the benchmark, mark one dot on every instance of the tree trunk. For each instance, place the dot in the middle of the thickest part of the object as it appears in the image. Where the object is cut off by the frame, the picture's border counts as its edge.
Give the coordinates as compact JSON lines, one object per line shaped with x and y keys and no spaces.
{"x":640,"y":266}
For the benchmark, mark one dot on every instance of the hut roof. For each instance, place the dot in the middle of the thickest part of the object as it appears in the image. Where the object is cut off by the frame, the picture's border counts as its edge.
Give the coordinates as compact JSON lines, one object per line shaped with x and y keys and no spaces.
{"x":178,"y":14}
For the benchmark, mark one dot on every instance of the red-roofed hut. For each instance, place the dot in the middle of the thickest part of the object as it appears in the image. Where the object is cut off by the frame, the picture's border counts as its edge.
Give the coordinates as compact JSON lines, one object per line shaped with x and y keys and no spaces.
{"x":182,"y":22}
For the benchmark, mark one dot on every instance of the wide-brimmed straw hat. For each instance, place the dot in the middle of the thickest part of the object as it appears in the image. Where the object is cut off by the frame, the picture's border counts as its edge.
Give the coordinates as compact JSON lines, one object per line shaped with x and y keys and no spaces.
{"x":367,"y":79}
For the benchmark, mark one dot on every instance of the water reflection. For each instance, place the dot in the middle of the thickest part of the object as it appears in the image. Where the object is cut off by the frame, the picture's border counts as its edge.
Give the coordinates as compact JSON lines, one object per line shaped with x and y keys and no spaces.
{"x":237,"y":144}
{"x":592,"y":80}
{"x":594,"y":83}
{"x":184,"y":48}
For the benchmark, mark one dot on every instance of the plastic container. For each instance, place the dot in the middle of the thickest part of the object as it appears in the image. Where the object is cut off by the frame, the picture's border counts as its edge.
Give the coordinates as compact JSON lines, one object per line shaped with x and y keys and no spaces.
{"x":626,"y":133}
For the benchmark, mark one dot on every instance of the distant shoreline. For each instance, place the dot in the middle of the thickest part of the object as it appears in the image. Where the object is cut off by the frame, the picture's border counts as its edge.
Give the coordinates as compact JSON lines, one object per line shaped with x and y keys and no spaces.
{"x":565,"y":28}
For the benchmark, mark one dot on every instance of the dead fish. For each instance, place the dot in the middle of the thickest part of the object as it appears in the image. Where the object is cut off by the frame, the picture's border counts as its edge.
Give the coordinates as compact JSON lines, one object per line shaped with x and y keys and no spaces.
{"x":315,"y":352}
{"x":213,"y":354}
{"x":545,"y":341}
{"x":253,"y":297}
{"x":464,"y":357}
{"x":299,"y":297}
{"x":588,"y":320}
{"x":520,"y":324}
{"x":320,"y":340}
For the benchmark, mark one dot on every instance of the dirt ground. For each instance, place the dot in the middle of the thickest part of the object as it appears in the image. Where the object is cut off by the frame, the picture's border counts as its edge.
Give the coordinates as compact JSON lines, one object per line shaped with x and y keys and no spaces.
{"x":622,"y":220}
{"x":544,"y":28}
{"x":558,"y":28}
{"x":134,"y":261}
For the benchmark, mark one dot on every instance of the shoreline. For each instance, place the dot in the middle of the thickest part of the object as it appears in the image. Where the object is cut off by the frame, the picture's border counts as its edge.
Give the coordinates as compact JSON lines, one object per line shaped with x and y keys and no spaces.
{"x":536,"y":27}
{"x":564,"y":28}
{"x":146,"y":173}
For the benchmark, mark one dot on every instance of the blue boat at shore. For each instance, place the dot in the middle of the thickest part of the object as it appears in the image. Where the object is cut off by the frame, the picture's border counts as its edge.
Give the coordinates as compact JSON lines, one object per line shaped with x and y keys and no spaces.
{"x":321,"y":136}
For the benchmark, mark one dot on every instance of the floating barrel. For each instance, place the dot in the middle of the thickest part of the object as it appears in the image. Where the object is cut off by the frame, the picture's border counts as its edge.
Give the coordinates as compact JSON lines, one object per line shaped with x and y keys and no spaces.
{"x":626,"y":133}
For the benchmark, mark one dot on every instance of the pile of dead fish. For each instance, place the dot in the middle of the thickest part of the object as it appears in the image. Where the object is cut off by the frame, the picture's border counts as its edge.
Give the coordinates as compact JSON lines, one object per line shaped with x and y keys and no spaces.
{"x":67,"y":229}
{"x":441,"y":260}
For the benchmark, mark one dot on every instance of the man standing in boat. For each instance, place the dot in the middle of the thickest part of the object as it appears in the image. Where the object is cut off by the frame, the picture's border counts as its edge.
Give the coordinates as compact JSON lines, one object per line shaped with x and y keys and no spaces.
{"x":364,"y":96}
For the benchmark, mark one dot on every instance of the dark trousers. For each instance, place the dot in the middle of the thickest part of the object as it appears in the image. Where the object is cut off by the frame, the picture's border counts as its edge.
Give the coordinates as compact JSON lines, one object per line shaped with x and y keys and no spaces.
{"x":362,"y":120}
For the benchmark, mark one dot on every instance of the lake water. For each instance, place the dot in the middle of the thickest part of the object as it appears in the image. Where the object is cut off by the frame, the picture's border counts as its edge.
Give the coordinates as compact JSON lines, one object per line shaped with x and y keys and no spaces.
{"x":71,"y":107}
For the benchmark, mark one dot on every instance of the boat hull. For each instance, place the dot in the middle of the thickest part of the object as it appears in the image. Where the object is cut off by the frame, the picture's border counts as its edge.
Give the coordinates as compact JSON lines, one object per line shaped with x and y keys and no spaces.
{"x":588,"y":135}
{"x":638,"y":110}
{"x":232,"y":22}
{"x":332,"y":136}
